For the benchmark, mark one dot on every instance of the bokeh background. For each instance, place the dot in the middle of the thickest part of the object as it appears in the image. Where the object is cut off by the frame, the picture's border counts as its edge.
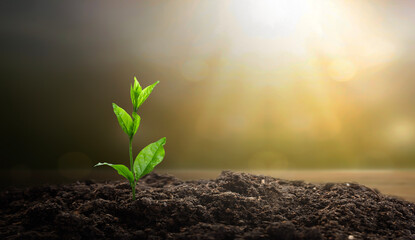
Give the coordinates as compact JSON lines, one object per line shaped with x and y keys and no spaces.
{"x":265,"y":84}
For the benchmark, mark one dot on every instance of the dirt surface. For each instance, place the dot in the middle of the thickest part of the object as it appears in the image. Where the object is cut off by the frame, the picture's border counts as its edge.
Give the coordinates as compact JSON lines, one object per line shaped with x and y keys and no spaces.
{"x":235,"y":205}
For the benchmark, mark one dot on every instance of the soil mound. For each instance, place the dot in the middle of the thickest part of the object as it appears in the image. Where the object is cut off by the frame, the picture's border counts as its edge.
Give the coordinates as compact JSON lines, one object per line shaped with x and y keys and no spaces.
{"x":235,"y":205}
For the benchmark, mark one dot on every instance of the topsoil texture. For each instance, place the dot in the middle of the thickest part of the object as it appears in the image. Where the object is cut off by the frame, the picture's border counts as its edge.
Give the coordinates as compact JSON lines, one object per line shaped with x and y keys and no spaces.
{"x":235,"y":205}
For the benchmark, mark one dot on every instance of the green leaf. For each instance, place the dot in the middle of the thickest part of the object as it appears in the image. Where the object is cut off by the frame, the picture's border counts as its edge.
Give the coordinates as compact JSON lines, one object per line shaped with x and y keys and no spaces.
{"x":135,"y":92}
{"x":136,"y":123}
{"x":133,"y":97}
{"x":121,"y":169}
{"x":124,"y":119}
{"x":137,"y":86}
{"x":148,"y":158}
{"x":144,"y":95}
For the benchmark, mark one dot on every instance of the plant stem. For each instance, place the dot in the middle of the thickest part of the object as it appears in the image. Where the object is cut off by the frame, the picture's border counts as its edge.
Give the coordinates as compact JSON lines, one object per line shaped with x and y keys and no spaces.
{"x":131,"y":157}
{"x":131,"y":167}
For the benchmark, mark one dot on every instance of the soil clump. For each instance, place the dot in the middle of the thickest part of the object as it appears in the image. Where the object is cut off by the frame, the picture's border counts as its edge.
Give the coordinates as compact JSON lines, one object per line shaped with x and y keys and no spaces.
{"x":233,"y":206}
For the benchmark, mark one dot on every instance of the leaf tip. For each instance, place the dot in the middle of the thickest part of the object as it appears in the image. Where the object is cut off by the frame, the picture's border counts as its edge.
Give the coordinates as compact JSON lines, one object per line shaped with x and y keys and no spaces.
{"x":99,"y":164}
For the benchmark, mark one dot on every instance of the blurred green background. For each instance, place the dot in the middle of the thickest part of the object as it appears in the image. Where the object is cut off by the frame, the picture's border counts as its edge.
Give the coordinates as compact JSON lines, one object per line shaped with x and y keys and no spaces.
{"x":243,"y":84}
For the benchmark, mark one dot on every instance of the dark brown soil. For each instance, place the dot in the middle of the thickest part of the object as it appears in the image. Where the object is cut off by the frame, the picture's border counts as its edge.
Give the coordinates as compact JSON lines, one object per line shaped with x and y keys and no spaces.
{"x":235,"y":205}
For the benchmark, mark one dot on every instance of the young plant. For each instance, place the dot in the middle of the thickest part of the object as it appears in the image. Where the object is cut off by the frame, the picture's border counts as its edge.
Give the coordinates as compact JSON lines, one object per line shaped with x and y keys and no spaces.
{"x":151,"y":155}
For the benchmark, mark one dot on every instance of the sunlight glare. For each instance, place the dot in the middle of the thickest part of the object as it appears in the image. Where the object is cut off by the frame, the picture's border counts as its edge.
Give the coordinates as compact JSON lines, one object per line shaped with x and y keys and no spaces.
{"x":268,"y":18}
{"x":342,"y":70}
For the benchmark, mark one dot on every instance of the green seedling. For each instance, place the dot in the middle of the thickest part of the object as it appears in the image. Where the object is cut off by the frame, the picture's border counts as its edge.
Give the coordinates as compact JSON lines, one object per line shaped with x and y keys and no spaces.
{"x":151,"y":155}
